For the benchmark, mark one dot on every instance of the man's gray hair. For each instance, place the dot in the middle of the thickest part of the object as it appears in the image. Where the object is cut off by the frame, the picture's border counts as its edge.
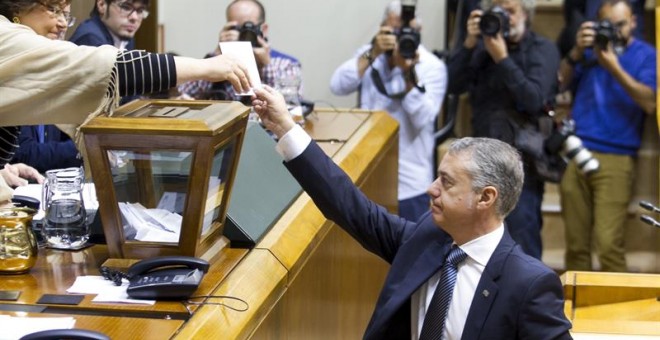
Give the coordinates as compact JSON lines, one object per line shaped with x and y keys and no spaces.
{"x":492,"y":163}
{"x":527,"y":5}
{"x":394,"y":7}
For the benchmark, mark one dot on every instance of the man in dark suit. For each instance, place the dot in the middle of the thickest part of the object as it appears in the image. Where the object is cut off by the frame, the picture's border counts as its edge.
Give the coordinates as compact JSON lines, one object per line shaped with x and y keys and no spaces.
{"x":112,"y":23}
{"x":500,"y":292}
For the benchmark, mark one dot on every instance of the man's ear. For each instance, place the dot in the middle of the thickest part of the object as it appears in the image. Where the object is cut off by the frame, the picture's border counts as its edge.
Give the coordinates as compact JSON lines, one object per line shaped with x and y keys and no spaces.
{"x":488,"y":197}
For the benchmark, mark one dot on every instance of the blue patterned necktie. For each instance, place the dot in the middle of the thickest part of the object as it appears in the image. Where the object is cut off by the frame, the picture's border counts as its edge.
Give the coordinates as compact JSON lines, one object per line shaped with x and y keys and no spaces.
{"x":436,"y":315}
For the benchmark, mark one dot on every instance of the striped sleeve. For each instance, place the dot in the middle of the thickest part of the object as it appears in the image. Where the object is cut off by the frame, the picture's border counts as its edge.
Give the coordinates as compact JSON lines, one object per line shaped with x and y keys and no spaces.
{"x":140,"y":72}
{"x":8,"y":143}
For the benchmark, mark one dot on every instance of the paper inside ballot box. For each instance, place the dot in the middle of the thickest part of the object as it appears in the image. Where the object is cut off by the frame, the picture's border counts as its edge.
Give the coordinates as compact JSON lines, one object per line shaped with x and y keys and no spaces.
{"x":167,"y":168}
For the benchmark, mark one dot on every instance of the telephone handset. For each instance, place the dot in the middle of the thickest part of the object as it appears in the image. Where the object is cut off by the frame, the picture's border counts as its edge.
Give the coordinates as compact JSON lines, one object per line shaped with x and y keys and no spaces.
{"x":165,"y":277}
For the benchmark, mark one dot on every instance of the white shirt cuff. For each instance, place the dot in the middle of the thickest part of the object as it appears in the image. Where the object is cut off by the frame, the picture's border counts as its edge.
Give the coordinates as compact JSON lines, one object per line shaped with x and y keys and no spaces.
{"x":293,"y":143}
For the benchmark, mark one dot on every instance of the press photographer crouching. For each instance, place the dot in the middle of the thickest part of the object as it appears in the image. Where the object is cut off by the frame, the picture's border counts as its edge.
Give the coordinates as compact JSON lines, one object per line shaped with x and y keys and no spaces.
{"x":613,"y":77}
{"x":510,"y":74}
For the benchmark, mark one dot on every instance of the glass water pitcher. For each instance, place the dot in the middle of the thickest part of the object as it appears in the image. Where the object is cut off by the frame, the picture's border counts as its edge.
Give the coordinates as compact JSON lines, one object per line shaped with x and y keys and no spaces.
{"x":65,"y":224}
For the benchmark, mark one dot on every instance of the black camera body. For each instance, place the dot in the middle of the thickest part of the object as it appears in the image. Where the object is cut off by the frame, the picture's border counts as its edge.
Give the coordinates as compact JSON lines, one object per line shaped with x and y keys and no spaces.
{"x":606,"y":32}
{"x":495,"y":20}
{"x":249,"y":31}
{"x":408,"y":38}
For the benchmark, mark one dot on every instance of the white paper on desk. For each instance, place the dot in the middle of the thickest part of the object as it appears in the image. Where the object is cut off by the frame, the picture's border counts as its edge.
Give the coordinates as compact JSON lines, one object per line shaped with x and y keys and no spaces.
{"x":105,"y":290}
{"x":15,"y":327}
{"x":242,"y":51}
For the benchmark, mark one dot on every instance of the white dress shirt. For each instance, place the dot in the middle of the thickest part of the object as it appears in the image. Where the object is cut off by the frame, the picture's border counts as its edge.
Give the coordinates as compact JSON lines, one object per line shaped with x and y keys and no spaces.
{"x":479,"y":252}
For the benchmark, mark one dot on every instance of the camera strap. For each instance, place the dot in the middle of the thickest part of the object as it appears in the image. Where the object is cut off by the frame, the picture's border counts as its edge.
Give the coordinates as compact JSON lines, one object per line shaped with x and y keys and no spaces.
{"x":380,"y":86}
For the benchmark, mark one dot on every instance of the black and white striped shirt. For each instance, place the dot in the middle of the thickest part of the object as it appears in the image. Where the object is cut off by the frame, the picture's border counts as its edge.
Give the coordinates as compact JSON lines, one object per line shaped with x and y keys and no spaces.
{"x":137,"y":72}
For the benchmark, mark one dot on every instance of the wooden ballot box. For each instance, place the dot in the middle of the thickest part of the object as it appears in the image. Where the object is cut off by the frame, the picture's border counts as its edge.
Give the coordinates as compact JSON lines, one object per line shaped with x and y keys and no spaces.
{"x":163,"y":172}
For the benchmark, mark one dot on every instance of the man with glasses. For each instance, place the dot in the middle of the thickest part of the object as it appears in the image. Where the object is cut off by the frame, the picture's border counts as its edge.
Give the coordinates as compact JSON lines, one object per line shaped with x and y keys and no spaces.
{"x":246,"y":20}
{"x":112,"y":22}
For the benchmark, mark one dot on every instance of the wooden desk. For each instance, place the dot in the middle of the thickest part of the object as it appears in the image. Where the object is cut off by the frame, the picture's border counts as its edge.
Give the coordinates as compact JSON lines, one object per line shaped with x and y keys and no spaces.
{"x":304,"y":279}
{"x":623,"y":304}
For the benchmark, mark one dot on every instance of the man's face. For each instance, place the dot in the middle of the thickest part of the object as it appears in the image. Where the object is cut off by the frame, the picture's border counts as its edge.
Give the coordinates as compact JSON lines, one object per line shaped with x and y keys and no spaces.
{"x":393,"y":20}
{"x":621,"y":16}
{"x":122,"y":18}
{"x":517,"y":18}
{"x":453,"y":202}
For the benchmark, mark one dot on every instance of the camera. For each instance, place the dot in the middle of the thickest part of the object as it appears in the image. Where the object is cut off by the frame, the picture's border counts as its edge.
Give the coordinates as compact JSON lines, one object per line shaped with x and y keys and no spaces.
{"x":408,"y":38}
{"x":249,"y":31}
{"x":606,"y":31}
{"x":494,"y":21}
{"x":565,"y":142}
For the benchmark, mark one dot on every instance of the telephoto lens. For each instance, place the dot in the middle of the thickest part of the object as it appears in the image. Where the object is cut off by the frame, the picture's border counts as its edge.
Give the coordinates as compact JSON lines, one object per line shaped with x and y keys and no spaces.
{"x":576,"y":152}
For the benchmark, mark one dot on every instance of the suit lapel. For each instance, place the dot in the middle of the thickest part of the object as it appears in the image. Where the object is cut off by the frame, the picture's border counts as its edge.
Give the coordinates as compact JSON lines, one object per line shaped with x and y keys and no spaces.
{"x":487,"y":289}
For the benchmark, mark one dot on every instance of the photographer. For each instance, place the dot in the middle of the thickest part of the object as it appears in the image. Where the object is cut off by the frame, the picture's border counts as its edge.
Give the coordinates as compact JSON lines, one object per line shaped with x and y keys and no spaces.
{"x":246,"y":21}
{"x":396,"y":74}
{"x":510,"y":74}
{"x":613,"y":76}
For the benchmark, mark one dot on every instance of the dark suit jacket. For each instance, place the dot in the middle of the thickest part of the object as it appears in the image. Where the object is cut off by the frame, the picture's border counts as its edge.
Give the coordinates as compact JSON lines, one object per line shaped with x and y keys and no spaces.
{"x":58,"y":150}
{"x":92,"y":32}
{"x":518,"y":297}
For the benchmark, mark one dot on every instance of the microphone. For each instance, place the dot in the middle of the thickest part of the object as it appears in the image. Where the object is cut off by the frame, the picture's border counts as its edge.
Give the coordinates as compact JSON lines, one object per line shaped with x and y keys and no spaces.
{"x":650,"y":221}
{"x":648,"y":206}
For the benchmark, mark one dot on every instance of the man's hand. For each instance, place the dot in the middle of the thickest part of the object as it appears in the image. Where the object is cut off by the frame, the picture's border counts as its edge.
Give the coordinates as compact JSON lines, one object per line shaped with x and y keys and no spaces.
{"x":17,"y":175}
{"x":262,"y":54}
{"x":496,"y":47}
{"x":607,"y":58}
{"x":584,"y":38}
{"x":473,"y":30}
{"x":229,"y":32}
{"x":385,"y":40}
{"x":271,"y":108}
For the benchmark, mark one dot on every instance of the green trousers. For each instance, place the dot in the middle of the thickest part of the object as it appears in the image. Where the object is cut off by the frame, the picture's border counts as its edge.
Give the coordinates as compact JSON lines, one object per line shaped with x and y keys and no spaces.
{"x":594,"y":209}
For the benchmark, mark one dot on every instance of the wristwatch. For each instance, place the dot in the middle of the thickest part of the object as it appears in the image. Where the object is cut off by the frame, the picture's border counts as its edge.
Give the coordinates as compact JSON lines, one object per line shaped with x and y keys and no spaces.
{"x":367,"y":55}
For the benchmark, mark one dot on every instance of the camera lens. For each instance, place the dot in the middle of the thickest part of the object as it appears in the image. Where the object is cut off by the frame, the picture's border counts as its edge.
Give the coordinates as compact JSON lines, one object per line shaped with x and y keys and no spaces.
{"x":490,"y":25}
{"x":408,"y":41}
{"x":249,"y":32}
{"x":494,"y":21}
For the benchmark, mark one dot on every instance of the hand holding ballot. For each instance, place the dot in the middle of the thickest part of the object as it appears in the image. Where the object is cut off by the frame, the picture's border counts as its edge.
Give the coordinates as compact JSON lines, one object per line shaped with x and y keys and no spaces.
{"x":271,"y":108}
{"x":242,"y":50}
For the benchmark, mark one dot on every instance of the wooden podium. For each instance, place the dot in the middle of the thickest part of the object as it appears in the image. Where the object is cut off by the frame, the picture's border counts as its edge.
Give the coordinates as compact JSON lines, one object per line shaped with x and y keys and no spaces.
{"x":612,"y":303}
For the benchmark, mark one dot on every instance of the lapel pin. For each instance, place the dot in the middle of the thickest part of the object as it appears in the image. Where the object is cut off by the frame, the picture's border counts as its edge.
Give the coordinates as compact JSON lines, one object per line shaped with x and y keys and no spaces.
{"x":485,"y":293}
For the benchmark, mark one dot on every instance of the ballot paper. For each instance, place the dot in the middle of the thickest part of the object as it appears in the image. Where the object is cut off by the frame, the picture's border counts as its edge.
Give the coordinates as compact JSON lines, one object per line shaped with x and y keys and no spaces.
{"x":15,"y":327}
{"x":242,"y":51}
{"x":150,"y":225}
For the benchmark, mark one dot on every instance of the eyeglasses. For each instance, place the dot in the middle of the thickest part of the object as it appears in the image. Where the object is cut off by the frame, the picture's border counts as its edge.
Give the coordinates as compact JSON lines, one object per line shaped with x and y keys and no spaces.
{"x":127,"y":9}
{"x":55,"y":11}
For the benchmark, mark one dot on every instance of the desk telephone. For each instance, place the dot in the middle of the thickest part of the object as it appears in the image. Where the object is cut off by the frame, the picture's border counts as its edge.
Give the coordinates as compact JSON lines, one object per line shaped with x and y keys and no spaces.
{"x":165,"y":277}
